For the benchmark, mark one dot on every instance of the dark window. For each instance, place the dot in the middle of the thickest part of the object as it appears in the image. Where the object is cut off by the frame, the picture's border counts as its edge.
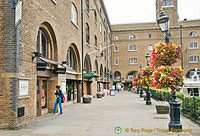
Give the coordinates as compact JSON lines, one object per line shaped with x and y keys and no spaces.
{"x":87,"y":5}
{"x":20,"y":112}
{"x":95,"y":38}
{"x":87,"y":34}
{"x":42,"y":43}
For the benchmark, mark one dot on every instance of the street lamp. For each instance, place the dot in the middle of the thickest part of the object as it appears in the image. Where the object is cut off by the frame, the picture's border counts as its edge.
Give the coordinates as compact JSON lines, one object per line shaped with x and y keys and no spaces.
{"x":163,"y":22}
{"x":141,"y":90}
{"x":175,"y":122}
{"x":148,"y":101}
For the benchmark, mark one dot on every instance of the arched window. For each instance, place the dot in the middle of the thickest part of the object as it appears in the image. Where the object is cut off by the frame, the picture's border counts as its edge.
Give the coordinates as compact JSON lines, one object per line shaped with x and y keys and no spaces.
{"x":95,"y":16}
{"x":74,"y":14}
{"x":95,"y":40}
{"x":193,"y":34}
{"x":71,"y":59}
{"x":42,"y":44}
{"x":87,"y":6}
{"x":87,"y":34}
{"x":167,"y":2}
{"x":104,"y":36}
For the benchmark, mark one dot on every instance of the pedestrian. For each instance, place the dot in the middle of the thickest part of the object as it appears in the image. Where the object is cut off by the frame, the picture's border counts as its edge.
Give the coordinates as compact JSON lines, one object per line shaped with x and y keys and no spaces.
{"x":122,"y":88}
{"x":59,"y":95}
{"x":118,"y":87}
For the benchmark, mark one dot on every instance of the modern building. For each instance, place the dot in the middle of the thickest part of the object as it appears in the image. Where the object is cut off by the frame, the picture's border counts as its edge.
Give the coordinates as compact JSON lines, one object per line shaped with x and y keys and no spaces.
{"x":133,"y":41}
{"x":41,"y":47}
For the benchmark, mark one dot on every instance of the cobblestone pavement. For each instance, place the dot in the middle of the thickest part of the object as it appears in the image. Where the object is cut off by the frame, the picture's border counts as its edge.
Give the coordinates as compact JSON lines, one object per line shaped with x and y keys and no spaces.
{"x":125,"y":110}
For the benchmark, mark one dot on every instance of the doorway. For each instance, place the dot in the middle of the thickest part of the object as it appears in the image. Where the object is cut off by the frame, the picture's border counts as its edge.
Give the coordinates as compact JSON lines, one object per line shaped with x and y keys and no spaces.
{"x":42,"y":95}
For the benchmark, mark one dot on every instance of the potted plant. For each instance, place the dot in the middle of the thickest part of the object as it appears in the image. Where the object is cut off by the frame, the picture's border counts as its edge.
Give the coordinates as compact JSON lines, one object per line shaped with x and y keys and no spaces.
{"x":162,"y":107}
{"x":87,"y":98}
{"x":99,"y":94}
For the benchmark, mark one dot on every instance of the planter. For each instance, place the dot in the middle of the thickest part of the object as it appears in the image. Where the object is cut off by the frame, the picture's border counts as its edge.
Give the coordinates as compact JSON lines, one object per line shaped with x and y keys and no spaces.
{"x":162,"y":107}
{"x":145,"y":97}
{"x":87,"y":99}
{"x":99,"y":95}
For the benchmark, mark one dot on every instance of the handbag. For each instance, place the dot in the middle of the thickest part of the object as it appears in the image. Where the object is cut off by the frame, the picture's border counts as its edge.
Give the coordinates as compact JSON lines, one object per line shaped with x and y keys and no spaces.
{"x":63,"y":99}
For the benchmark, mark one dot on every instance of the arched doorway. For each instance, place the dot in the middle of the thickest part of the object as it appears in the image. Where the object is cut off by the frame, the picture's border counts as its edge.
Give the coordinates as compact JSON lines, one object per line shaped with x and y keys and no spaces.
{"x":100,"y":82}
{"x":129,"y":79}
{"x":46,"y":50}
{"x":73,"y":67}
{"x":87,"y":69}
{"x":117,"y":78}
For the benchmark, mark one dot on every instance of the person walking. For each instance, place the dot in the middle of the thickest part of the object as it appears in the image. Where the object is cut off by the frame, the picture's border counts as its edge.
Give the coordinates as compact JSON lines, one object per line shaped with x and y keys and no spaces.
{"x":122,"y":88}
{"x":59,"y":95}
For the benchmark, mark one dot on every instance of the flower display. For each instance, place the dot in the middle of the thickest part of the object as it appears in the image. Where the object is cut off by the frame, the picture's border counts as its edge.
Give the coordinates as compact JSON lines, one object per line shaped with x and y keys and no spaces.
{"x":135,"y":83}
{"x":165,"y":53}
{"x":168,"y":77}
{"x":147,"y":72}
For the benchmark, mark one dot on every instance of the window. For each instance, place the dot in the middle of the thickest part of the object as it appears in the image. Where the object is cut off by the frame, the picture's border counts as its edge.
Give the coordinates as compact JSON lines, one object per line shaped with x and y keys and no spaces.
{"x":95,"y":40}
{"x":115,"y":38}
{"x":193,"y":45}
{"x":193,"y":34}
{"x":150,"y":47}
{"x":74,"y":16}
{"x":100,"y":27}
{"x":194,"y":59}
{"x":71,"y":59}
{"x":104,"y":36}
{"x":150,"y":36}
{"x":95,"y":15}
{"x":133,"y":61}
{"x":87,"y":34}
{"x":87,"y":6}
{"x":116,"y":49}
{"x":132,"y":37}
{"x":132,"y":48}
{"x":42,"y":43}
{"x":167,"y":2}
{"x":54,"y":1}
{"x":101,"y":50}
{"x":116,"y":61}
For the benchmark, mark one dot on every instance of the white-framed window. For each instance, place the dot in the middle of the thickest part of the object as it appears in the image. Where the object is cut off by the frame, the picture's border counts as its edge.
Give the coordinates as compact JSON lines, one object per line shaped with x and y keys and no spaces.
{"x":150,"y":47}
{"x":132,"y":47}
{"x":150,"y":36}
{"x":116,"y":38}
{"x":54,"y":1}
{"x":167,"y":3}
{"x":74,"y":14}
{"x":193,"y":45}
{"x":87,"y":6}
{"x":131,"y":37}
{"x":193,"y":34}
{"x":194,"y":59}
{"x":116,"y":49}
{"x":116,"y":61}
{"x":133,"y":60}
{"x":100,"y":28}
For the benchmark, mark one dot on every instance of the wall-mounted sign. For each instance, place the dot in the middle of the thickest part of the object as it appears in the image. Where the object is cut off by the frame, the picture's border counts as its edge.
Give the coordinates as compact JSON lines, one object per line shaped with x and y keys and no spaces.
{"x":23,"y":87}
{"x":18,"y":12}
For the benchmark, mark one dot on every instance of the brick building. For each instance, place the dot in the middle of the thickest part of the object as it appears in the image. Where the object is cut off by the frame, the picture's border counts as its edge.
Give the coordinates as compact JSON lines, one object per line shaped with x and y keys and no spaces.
{"x":41,"y":47}
{"x":133,"y":41}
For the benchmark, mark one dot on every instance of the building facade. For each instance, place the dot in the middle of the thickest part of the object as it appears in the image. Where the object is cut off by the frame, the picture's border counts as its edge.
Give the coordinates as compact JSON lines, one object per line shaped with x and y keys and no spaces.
{"x":41,"y":47}
{"x":133,"y":41}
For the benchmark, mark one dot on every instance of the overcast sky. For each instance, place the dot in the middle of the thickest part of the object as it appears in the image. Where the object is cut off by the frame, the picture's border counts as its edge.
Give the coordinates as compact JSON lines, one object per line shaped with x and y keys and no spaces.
{"x":139,"y":11}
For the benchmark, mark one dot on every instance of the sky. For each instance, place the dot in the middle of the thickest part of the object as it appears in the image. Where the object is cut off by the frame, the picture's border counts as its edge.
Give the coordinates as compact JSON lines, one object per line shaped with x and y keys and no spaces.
{"x":140,"y":11}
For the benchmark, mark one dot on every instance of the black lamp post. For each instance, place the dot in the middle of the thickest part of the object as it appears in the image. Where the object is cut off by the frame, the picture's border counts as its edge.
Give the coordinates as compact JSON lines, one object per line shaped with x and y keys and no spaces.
{"x":175,"y":122}
{"x":137,"y":85}
{"x":148,"y":101}
{"x":141,"y":89}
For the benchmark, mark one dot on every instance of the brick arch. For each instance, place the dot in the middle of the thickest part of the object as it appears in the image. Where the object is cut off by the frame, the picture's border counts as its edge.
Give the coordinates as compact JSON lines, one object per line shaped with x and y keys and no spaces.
{"x":75,"y":51}
{"x":47,"y":29}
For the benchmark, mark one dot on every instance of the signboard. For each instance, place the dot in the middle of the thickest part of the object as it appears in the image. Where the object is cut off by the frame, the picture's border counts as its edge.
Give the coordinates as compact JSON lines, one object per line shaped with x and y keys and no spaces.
{"x":63,"y":86}
{"x":23,"y":87}
{"x":18,"y":12}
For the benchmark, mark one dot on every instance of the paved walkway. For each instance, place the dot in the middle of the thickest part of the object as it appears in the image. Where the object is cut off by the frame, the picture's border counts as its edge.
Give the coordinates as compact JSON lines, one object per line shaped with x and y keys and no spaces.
{"x":99,"y":118}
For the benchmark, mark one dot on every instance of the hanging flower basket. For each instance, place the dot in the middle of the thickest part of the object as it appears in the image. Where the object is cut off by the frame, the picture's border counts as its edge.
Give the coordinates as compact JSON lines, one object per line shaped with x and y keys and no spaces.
{"x":165,"y":54}
{"x":168,"y":77}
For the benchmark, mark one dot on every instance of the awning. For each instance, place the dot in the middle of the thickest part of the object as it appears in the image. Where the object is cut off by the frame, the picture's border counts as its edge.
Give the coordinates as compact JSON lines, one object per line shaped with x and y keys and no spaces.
{"x":49,"y":61}
{"x":90,"y":75}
